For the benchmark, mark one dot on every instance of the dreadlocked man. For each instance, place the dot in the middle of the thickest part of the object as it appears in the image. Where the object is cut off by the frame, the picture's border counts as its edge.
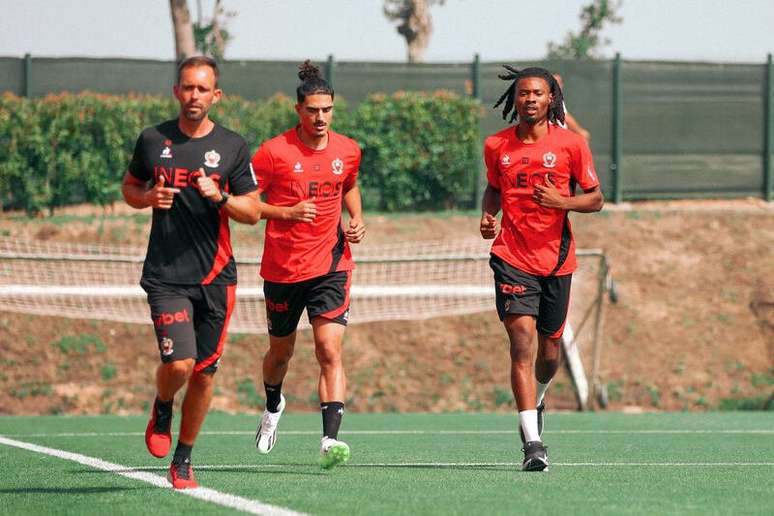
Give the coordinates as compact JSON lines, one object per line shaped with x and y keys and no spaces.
{"x":307,"y":174}
{"x":532,"y":172}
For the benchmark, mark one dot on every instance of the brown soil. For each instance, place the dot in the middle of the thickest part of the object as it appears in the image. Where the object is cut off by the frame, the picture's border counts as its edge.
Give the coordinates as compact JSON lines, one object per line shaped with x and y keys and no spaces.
{"x":694,"y":325}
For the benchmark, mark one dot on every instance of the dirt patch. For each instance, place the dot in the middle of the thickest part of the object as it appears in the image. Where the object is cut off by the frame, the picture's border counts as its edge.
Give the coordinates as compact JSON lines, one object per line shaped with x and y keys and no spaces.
{"x":694,"y":325}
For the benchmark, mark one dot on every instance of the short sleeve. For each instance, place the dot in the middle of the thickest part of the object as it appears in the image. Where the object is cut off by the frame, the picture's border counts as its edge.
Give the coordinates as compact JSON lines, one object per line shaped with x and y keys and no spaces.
{"x":351,"y":180}
{"x":242,"y":180}
{"x":582,"y":168}
{"x":137,"y":164}
{"x":263,"y":166}
{"x":490,"y":160}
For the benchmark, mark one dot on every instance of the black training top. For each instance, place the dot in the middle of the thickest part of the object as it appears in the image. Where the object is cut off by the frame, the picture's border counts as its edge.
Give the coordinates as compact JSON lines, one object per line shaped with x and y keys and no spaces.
{"x":190,"y":243}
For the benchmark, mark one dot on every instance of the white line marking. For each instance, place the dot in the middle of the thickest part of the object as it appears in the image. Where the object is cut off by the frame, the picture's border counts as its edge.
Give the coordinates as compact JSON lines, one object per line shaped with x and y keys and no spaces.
{"x":202,"y":493}
{"x":461,"y":464}
{"x":415,"y":432}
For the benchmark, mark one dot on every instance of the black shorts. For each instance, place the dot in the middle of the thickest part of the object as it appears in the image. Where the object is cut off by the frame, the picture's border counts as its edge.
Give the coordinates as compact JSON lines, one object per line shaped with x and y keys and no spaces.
{"x":191,"y":321}
{"x":324,"y":296}
{"x":545,"y":297}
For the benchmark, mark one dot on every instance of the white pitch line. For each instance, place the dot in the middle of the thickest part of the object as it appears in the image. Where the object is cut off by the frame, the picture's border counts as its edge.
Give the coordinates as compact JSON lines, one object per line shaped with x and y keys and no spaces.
{"x":416,"y":432}
{"x":201,"y":493}
{"x":463,"y":464}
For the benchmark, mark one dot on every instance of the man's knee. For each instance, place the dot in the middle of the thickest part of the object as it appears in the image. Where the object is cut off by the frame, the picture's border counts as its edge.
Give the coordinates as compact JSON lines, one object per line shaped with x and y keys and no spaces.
{"x":179,"y":368}
{"x":328,"y":354}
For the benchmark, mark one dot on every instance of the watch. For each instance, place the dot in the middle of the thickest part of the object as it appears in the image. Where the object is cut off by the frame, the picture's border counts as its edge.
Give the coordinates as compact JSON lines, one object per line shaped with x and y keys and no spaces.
{"x":225,"y":197}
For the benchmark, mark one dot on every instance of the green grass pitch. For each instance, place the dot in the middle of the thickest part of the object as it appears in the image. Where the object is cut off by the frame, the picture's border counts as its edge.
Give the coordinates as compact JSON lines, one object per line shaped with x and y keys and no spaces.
{"x":603,"y":463}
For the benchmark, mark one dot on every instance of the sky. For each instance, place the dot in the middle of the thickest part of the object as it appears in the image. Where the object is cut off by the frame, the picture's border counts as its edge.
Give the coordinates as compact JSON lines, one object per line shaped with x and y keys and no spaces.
{"x":356,"y":30}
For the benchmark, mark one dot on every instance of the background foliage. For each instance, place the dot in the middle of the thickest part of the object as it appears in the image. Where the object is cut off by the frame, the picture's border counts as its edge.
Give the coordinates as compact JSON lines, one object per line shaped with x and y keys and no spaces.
{"x":419,"y":149}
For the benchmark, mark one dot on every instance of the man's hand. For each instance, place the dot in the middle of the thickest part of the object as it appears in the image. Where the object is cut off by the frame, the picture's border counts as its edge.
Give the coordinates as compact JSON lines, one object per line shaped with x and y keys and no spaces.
{"x":208,"y":188}
{"x":488,"y":226}
{"x":305,"y":211}
{"x":356,"y":230}
{"x":161,"y":197}
{"x":548,"y":196}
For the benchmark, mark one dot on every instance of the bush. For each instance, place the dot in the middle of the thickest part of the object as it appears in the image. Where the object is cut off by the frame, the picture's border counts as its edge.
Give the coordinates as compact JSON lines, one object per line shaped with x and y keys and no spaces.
{"x":420,"y":151}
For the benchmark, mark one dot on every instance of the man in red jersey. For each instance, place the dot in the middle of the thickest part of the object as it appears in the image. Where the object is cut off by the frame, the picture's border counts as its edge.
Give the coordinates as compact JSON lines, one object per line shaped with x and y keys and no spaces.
{"x":195,"y":174}
{"x":532,"y":171}
{"x":306,"y":174}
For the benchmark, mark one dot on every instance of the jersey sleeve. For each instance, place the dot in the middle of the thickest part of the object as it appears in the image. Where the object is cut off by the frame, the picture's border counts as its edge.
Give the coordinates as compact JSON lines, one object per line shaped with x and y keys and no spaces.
{"x":242,"y":180}
{"x":582,"y":168}
{"x":351,"y":179}
{"x":263,"y":167}
{"x":490,"y":160}
{"x":137,"y":165}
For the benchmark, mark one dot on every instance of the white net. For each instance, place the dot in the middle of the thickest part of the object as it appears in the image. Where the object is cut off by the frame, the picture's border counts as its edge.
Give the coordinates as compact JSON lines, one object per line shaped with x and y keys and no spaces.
{"x":399,"y":281}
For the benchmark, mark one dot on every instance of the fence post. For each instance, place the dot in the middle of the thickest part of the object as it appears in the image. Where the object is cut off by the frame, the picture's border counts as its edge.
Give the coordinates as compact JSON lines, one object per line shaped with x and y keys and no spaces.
{"x":475,"y":77}
{"x":329,"y":70}
{"x":768,"y":128}
{"x":617,"y":125}
{"x":27,"y":88}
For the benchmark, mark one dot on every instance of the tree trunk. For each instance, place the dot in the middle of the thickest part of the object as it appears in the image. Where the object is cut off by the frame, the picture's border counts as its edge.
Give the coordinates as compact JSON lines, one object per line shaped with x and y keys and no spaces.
{"x":181,"y":21}
{"x":417,"y":29}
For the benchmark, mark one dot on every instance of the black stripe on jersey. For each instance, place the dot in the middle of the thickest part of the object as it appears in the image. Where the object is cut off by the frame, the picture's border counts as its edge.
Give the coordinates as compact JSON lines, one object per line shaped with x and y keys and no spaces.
{"x":338,"y":249}
{"x":564,"y":246}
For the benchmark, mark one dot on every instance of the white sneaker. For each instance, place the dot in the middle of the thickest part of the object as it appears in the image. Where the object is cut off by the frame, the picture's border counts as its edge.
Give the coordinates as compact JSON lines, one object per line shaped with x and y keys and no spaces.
{"x":266,"y":436}
{"x":333,"y":453}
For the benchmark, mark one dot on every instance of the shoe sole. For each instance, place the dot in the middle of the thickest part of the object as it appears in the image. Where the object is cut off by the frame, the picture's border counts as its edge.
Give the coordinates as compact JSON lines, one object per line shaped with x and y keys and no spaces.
{"x":337,"y":454}
{"x":535,"y":465}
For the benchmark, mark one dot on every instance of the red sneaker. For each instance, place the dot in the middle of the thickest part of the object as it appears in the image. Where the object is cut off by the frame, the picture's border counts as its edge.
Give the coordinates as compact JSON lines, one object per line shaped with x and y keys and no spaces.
{"x":158,"y":433}
{"x":181,"y":475}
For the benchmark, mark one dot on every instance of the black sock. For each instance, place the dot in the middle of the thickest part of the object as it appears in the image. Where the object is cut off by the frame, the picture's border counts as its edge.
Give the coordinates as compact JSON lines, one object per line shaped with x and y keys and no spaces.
{"x":272,"y":396}
{"x":163,"y":413}
{"x":331,"y":415}
{"x":182,"y":453}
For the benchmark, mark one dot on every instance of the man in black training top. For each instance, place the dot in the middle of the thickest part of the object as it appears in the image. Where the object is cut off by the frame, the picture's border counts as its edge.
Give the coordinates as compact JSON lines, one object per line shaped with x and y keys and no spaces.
{"x":195,"y":174}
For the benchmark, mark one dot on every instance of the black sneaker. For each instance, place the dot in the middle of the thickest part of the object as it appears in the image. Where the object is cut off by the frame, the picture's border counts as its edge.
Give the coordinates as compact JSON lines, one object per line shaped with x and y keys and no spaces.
{"x":540,"y":409}
{"x":535,"y":457}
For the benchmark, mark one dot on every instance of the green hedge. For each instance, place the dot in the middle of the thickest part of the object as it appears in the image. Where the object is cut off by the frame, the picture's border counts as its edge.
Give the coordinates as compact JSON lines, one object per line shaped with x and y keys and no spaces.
{"x":419,"y":150}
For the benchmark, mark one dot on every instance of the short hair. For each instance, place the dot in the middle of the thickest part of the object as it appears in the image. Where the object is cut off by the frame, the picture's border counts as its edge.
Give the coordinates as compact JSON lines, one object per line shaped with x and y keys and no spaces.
{"x":555,"y":109}
{"x":312,"y":82}
{"x":198,"y":61}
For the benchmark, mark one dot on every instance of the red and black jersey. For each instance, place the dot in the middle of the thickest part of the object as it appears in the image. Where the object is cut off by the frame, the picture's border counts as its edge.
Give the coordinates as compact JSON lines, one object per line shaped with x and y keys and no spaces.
{"x":190,"y":243}
{"x":290,"y":172}
{"x":535,"y":239}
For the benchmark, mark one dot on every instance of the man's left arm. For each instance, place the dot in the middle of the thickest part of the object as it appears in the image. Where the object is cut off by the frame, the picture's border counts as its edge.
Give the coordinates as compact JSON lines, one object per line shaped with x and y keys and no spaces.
{"x":242,"y":208}
{"x":548,"y":196}
{"x":354,"y":205}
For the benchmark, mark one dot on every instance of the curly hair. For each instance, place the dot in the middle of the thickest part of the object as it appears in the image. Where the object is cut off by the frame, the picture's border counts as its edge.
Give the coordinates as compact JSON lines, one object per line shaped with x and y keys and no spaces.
{"x":555,"y":109}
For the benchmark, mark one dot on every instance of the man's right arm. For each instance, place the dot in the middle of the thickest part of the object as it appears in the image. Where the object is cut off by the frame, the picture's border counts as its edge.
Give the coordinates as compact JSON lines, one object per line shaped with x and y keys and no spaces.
{"x":137,"y":195}
{"x":304,"y":211}
{"x":490,"y":207}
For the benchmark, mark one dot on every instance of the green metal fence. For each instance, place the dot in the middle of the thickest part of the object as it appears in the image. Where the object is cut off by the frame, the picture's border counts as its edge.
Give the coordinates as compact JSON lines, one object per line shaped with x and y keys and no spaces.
{"x":659,"y":129}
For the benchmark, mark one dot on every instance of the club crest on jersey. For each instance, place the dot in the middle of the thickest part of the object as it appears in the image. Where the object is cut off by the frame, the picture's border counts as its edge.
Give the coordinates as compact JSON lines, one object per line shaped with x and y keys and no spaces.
{"x":549,"y":160}
{"x":167,"y":346}
{"x":166,"y":153}
{"x":298,"y":168}
{"x":211,"y":159}
{"x":505,"y":161}
{"x":337,"y":166}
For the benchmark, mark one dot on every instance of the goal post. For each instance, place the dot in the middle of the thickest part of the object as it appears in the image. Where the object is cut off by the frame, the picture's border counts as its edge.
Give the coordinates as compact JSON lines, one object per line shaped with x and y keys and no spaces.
{"x":395,"y":281}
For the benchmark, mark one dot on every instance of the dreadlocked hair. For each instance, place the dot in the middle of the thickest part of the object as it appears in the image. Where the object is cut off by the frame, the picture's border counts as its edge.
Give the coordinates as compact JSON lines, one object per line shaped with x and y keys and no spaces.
{"x":555,"y":109}
{"x":312,"y":82}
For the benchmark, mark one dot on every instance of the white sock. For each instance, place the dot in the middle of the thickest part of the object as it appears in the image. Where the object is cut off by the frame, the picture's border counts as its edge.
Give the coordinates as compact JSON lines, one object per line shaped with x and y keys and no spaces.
{"x":528,"y":422}
{"x":541,"y":390}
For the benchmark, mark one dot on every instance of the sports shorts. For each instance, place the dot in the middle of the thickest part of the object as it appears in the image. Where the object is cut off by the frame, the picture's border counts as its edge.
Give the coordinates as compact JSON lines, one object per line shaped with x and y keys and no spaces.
{"x":547,"y":298}
{"x":324,"y":296}
{"x":191,"y":321}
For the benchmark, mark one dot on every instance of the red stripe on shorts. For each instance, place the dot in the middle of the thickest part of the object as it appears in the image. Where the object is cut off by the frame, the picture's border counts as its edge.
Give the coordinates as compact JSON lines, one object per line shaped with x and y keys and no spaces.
{"x":230,"y":303}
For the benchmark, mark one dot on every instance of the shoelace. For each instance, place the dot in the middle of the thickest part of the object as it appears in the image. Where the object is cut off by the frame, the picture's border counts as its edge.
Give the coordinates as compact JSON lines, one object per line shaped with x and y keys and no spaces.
{"x":183,"y":469}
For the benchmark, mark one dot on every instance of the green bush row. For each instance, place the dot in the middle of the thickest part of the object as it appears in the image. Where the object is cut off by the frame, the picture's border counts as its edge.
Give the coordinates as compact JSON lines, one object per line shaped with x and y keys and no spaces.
{"x":419,"y":150}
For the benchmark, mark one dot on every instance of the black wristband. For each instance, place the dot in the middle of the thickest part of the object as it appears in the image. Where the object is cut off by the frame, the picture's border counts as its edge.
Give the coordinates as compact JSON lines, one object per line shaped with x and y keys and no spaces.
{"x":225,"y":197}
